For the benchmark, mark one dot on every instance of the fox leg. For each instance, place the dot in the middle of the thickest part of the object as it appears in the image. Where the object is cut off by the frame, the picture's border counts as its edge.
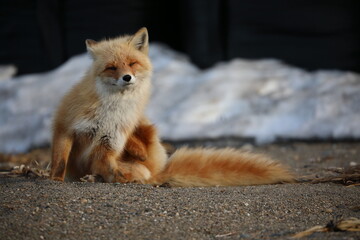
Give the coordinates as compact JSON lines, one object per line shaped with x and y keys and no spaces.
{"x":60,"y":154}
{"x":143,"y":155}
{"x":104,"y":163}
{"x":132,"y":161}
{"x":135,"y":149}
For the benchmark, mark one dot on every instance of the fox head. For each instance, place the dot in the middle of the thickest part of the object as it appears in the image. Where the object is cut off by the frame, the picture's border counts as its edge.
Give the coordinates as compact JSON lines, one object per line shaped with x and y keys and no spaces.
{"x":121,"y":63}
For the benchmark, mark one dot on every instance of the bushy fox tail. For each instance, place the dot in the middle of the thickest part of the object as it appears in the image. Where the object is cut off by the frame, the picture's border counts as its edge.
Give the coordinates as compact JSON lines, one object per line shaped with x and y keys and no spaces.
{"x":221,"y":167}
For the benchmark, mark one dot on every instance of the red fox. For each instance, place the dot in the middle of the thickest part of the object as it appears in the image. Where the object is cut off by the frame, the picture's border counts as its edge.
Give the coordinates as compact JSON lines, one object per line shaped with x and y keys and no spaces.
{"x":100,"y":129}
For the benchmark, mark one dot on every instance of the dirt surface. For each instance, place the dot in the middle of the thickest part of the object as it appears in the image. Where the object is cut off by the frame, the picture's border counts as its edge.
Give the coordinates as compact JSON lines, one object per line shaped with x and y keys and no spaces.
{"x":36,"y":208}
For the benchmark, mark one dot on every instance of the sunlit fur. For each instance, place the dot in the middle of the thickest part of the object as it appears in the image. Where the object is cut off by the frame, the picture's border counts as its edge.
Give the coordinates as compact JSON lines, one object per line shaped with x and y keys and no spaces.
{"x":96,"y":118}
{"x":221,"y":167}
{"x":100,"y":128}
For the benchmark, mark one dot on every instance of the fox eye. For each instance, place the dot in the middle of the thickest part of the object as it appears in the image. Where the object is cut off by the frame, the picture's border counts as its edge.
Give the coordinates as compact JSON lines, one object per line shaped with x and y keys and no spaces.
{"x":132,"y":64}
{"x":112,"y":68}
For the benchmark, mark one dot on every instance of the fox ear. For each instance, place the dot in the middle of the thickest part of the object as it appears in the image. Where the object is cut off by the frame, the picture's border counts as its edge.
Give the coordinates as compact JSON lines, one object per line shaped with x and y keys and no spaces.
{"x":90,"y":45}
{"x":140,"y":40}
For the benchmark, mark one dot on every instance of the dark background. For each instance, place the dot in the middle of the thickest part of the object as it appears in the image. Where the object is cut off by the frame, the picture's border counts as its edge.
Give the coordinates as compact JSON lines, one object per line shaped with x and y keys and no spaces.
{"x":38,"y":35}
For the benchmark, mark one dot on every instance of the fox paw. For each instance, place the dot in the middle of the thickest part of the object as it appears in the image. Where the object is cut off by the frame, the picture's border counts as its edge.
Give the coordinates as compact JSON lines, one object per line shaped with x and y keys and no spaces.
{"x":122,"y":177}
{"x":60,"y":179}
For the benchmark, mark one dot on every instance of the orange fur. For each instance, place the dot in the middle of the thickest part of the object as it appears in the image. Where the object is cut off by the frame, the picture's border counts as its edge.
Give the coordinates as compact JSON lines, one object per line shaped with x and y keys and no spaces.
{"x":211,"y":167}
{"x":100,"y":128}
{"x":137,"y":144}
{"x":97,"y":117}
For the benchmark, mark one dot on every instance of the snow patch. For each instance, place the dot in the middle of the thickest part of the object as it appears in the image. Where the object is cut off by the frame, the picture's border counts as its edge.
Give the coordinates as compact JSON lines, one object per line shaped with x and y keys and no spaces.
{"x":262,"y":99}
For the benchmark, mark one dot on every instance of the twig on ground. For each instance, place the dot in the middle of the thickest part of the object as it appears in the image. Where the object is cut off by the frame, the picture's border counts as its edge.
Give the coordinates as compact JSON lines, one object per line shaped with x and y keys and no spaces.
{"x":23,"y":170}
{"x":225,"y":235}
{"x":350,"y":224}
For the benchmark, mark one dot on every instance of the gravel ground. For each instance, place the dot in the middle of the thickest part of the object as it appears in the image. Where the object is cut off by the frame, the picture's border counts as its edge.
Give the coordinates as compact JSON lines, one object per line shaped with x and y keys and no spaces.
{"x":35,"y":208}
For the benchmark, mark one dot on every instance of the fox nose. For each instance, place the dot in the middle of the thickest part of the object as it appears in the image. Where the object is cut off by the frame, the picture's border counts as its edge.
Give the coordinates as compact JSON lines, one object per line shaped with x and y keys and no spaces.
{"x":126,"y":78}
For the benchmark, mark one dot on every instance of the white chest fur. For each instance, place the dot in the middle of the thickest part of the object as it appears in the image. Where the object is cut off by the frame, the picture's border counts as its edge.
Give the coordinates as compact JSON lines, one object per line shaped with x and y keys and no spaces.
{"x":115,"y":116}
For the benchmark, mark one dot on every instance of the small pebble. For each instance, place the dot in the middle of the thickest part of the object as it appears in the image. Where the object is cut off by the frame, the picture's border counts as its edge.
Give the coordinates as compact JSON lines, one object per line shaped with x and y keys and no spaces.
{"x":329,"y":210}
